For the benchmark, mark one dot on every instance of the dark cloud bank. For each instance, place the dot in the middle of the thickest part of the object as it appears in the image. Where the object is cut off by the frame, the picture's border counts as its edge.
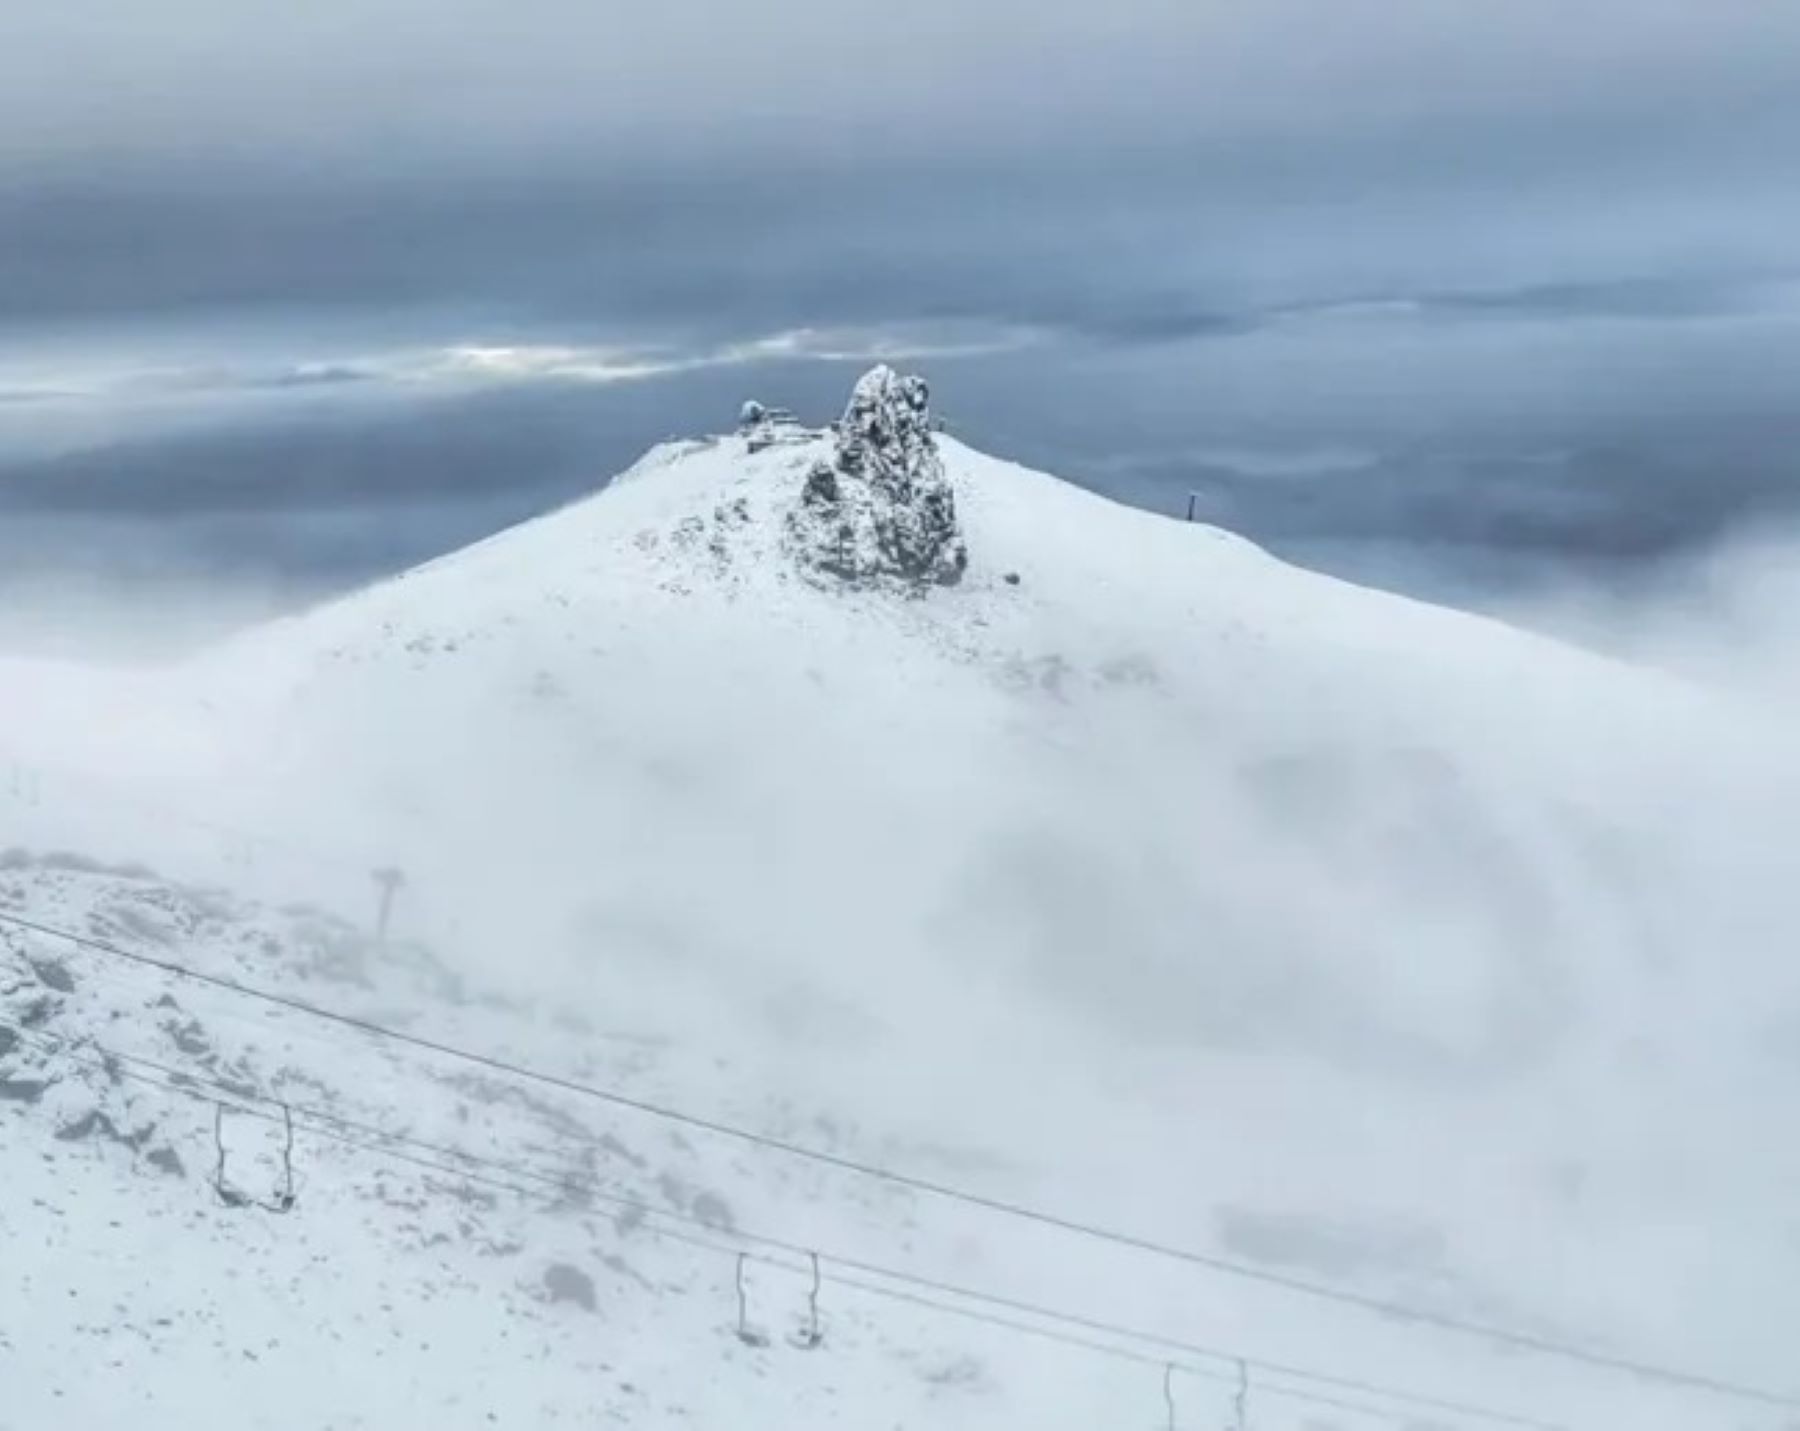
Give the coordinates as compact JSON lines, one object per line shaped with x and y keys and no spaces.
{"x":1465,"y":301}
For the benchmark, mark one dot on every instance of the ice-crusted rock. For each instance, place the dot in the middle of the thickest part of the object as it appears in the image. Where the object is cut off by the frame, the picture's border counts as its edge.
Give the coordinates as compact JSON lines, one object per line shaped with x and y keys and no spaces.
{"x":882,"y":508}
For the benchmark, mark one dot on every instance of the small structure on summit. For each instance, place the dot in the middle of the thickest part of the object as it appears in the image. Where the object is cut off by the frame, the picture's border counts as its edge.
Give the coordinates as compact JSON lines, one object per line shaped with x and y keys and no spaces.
{"x":882,"y":508}
{"x":765,"y":426}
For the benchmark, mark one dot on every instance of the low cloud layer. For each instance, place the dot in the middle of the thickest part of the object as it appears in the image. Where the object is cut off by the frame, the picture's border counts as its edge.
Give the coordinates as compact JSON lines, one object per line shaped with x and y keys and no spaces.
{"x":1475,"y":455}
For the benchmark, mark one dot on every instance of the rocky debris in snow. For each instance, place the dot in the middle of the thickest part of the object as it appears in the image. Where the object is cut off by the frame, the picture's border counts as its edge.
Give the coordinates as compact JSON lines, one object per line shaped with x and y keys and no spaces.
{"x":962,"y":1372}
{"x":717,"y":533}
{"x":882,"y":508}
{"x":22,"y":1090}
{"x":703,"y":1206}
{"x":564,"y":1283}
{"x":96,"y":1124}
{"x":37,"y":1012}
{"x":53,"y":974}
{"x":190,"y":1037}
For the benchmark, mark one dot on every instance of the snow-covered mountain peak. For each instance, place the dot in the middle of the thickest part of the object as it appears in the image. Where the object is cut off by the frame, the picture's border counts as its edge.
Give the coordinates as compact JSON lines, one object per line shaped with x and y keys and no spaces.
{"x":1122,"y":869}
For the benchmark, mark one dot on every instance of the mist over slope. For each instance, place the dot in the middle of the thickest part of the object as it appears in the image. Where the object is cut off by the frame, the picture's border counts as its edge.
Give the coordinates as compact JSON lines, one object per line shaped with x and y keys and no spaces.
{"x":1116,"y":867}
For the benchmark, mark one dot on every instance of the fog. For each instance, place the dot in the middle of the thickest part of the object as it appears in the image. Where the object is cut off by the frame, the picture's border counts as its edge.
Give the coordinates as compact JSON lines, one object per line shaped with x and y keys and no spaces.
{"x":1435,"y":941}
{"x":1172,"y":888}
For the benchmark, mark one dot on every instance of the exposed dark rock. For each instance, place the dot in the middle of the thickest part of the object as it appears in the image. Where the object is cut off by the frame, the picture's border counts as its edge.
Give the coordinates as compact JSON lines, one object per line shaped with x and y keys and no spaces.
{"x":189,"y":1037}
{"x":95,"y":1124}
{"x":54,"y":974}
{"x":570,"y":1284}
{"x":37,"y":1013}
{"x":821,"y":490}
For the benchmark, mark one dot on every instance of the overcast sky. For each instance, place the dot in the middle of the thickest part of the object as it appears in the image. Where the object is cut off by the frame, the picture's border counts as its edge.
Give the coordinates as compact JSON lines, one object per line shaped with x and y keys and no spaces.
{"x":1455,"y":296}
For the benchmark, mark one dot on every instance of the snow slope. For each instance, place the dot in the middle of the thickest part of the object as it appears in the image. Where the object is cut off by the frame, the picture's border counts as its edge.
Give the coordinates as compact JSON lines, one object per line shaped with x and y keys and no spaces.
{"x":1138,"y":876}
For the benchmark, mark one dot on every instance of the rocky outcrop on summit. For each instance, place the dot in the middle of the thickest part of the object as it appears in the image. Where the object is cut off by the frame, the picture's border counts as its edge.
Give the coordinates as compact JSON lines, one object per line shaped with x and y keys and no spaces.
{"x":882,"y":508}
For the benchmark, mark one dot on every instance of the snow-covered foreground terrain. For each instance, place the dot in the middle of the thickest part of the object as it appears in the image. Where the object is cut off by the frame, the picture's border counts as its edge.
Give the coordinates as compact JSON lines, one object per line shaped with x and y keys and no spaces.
{"x":1135,"y":877}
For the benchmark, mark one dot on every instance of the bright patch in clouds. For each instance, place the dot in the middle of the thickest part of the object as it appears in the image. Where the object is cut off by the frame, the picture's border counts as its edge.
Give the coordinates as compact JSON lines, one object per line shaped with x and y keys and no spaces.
{"x":473,"y":364}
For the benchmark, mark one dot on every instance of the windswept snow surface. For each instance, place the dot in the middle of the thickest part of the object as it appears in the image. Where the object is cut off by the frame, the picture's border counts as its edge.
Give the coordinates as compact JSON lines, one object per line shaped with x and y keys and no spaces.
{"x":1139,"y":877}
